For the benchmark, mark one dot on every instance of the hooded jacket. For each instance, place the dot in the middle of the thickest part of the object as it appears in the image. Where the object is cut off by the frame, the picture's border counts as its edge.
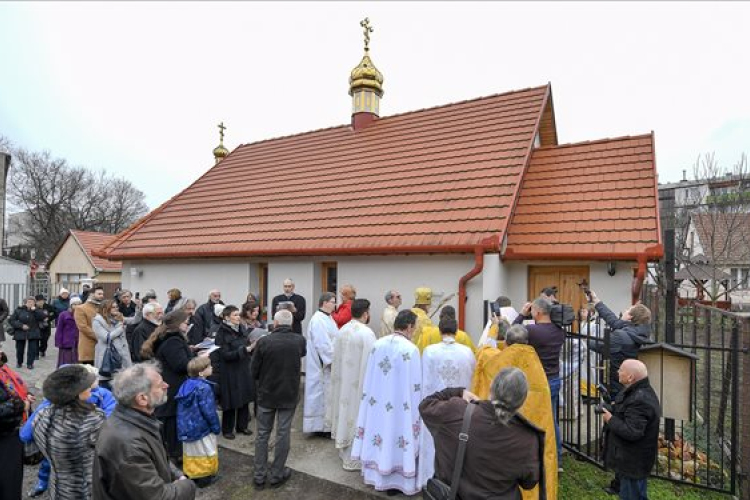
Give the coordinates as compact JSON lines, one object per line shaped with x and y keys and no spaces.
{"x":625,"y":341}
{"x":196,"y":410}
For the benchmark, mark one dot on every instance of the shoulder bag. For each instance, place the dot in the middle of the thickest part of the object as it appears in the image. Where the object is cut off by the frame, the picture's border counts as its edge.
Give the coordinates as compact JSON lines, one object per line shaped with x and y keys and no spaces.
{"x":111,"y":361}
{"x":437,"y":489}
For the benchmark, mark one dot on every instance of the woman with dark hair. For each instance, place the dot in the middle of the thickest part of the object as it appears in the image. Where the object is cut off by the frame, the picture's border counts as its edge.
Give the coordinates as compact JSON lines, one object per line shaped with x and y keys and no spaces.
{"x":176,"y":300}
{"x":14,"y":404}
{"x":235,"y":380}
{"x":109,"y":328}
{"x":250,"y":316}
{"x":67,"y":430}
{"x":168,"y":345}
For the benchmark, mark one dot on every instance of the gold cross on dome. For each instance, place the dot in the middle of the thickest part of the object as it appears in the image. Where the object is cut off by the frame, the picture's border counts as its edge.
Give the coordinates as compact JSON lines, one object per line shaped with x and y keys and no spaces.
{"x":222,"y":128}
{"x":367,"y":30}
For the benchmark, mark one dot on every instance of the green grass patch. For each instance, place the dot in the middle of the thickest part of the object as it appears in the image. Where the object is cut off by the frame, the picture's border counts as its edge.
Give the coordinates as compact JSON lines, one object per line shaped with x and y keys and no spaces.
{"x":583,"y":481}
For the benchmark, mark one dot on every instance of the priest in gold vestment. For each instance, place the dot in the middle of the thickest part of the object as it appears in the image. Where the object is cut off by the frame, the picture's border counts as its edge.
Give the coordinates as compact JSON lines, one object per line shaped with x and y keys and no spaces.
{"x":431,"y":334}
{"x":538,"y":406}
{"x":422,"y":303}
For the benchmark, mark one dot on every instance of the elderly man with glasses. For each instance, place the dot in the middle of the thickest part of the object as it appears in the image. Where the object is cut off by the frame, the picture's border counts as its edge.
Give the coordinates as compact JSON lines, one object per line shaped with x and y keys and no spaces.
{"x":393,"y":301}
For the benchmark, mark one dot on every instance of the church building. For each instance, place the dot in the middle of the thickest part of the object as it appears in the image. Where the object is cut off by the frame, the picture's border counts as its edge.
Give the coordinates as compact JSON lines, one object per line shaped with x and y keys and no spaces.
{"x":473,"y":199}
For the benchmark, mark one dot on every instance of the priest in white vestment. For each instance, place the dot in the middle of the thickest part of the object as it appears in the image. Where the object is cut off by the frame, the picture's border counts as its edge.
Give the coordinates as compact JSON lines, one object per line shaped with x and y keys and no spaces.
{"x":321,"y":335}
{"x":350,"y":353}
{"x":444,"y":365}
{"x":388,"y":423}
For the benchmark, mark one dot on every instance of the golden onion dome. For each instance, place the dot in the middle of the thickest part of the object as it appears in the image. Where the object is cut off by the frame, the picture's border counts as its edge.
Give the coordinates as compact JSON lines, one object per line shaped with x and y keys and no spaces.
{"x":220,"y":151}
{"x":367,"y":76}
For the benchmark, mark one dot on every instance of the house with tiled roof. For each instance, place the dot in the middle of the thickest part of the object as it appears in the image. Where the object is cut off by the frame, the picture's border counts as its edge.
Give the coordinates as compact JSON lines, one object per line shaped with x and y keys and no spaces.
{"x":717,"y":254}
{"x":74,"y":263}
{"x":474,"y":199}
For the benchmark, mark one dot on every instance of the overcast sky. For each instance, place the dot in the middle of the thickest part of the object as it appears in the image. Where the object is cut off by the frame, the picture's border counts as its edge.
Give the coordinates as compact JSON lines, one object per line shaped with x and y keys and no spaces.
{"x":138,"y":88}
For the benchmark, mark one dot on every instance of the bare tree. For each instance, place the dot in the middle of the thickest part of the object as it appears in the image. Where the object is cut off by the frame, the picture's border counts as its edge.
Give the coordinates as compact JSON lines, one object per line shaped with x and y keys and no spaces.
{"x":59,"y":197}
{"x":713,"y":228}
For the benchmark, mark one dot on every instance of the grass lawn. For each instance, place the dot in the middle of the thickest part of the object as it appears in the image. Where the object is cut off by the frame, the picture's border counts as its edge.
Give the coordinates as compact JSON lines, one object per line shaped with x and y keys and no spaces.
{"x":583,"y":481}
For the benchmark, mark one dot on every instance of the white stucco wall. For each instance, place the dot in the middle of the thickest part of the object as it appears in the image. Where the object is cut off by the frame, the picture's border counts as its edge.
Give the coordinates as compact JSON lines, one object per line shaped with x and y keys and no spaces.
{"x":13,"y":271}
{"x":195,"y":278}
{"x":612,"y":290}
{"x":372,"y":276}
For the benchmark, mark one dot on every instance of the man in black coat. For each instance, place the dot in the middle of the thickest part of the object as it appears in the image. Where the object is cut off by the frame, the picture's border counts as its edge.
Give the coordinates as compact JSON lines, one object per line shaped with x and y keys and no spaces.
{"x":152,"y":316}
{"x":276,"y":368}
{"x":632,"y":431}
{"x":46,"y":326}
{"x":205,"y":313}
{"x":299,"y":304}
{"x":26,"y":322}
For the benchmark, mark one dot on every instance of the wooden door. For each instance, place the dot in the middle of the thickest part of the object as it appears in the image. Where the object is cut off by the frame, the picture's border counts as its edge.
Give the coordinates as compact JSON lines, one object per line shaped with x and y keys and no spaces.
{"x":565,"y":278}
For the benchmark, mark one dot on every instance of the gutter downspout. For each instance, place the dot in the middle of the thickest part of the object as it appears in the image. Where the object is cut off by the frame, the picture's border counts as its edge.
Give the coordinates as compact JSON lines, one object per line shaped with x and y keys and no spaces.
{"x":489,"y":244}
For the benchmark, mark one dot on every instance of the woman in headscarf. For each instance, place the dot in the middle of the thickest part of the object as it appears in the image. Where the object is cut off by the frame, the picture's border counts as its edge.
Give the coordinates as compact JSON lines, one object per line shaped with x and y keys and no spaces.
{"x":66,"y":335}
{"x":67,"y":430}
{"x":168,"y":345}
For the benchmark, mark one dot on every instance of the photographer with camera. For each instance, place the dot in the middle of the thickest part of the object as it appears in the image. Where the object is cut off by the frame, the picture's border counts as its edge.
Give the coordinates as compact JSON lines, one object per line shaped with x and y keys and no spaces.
{"x":626,"y":338}
{"x":547,"y":339}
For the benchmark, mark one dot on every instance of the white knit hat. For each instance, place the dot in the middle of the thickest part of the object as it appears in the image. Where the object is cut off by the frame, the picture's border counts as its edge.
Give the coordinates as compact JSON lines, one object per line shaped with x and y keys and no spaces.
{"x":64,"y":290}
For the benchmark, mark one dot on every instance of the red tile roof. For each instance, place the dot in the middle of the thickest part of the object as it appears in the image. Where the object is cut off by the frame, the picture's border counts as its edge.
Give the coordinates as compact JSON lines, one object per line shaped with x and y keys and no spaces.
{"x":91,"y":241}
{"x":442,"y":179}
{"x":595,"y":200}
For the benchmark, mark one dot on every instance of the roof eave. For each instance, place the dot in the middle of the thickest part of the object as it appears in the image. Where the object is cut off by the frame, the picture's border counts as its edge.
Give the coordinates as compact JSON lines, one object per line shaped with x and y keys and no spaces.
{"x":489,"y":245}
{"x":651,"y":254}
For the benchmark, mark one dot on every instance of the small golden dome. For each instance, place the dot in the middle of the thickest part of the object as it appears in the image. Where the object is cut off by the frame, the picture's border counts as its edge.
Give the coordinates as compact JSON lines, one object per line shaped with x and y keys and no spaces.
{"x":220,"y":151}
{"x":367,"y":76}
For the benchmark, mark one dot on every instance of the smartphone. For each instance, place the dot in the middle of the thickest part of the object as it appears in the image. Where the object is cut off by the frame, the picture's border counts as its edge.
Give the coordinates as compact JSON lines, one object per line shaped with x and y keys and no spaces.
{"x":137,"y":295}
{"x":495,"y":308}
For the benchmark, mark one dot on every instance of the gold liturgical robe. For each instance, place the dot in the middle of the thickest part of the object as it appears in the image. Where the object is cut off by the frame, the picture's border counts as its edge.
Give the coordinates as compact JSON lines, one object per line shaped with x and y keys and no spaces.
{"x":431,"y":335}
{"x":423,"y":321}
{"x":538,"y":406}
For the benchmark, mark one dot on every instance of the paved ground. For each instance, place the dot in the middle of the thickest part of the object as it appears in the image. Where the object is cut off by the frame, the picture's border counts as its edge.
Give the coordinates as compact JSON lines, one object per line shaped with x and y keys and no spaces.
{"x":317,"y":469}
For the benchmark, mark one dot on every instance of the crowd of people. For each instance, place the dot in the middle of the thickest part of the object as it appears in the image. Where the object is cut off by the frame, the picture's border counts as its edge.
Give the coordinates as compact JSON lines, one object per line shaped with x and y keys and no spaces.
{"x":132,"y":410}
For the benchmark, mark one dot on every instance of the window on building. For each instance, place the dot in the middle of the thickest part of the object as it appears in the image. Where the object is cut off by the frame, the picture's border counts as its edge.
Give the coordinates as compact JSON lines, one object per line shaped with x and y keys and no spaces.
{"x":329,"y":277}
{"x":70,"y":278}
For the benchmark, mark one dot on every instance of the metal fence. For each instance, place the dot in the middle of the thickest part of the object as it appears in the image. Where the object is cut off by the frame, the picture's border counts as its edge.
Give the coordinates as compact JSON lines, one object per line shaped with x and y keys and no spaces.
{"x":706,"y":450}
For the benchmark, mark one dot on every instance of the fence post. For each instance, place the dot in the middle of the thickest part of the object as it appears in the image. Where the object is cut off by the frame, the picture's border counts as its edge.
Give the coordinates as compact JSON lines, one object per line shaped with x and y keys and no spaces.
{"x":669,"y":309}
{"x":744,"y":405}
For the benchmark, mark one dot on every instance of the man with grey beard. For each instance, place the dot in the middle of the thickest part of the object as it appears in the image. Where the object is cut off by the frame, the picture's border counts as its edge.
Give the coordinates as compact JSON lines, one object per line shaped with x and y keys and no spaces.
{"x":130,"y":459}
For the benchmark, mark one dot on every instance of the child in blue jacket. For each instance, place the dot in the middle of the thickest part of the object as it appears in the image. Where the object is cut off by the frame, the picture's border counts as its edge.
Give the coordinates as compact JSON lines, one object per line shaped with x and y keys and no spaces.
{"x":198,"y":424}
{"x":100,"y":397}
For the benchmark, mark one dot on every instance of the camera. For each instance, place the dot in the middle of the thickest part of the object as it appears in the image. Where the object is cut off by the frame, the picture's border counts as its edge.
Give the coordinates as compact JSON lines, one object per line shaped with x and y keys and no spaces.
{"x":605,"y":400}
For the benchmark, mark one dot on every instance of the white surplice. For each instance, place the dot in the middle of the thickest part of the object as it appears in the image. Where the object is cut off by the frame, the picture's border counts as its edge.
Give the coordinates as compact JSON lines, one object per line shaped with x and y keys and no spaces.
{"x":321,"y":335}
{"x":386,"y":322}
{"x":447,"y":364}
{"x":388,"y":423}
{"x":350,"y":353}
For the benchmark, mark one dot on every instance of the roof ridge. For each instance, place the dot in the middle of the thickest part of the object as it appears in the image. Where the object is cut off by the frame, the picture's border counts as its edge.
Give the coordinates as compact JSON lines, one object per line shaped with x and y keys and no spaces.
{"x":595,"y":141}
{"x":413,"y":111}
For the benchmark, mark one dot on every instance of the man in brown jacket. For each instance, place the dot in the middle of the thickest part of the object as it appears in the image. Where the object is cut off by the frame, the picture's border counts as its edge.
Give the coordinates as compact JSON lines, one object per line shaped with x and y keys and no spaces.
{"x":130,"y":460}
{"x":84,"y":316}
